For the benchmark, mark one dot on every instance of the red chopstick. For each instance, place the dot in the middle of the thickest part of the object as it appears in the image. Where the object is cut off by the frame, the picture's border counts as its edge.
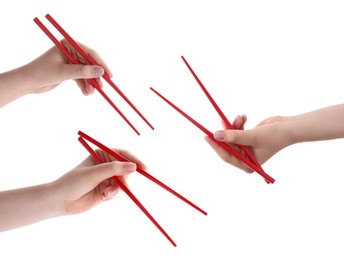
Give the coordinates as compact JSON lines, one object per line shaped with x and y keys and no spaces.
{"x":140,"y":170}
{"x":91,"y":61}
{"x":71,"y":58}
{"x":228,"y":125}
{"x":127,"y":191}
{"x":211,"y":136}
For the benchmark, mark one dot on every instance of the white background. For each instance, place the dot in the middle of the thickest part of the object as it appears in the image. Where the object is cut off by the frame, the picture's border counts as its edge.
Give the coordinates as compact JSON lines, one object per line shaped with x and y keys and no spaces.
{"x":260,"y":58}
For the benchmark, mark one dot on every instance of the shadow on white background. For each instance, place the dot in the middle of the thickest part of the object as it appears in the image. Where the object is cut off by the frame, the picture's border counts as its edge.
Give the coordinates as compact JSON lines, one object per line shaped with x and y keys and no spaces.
{"x":259,"y":58}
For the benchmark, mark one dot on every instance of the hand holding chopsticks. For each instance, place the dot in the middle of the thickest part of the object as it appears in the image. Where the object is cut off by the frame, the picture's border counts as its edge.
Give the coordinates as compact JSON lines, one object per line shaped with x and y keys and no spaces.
{"x":89,"y":59}
{"x":120,"y":157}
{"x":250,"y":161}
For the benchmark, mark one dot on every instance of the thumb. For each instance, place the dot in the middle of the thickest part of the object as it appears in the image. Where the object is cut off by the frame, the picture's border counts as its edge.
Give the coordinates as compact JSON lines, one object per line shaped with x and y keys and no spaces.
{"x":78,"y":71}
{"x":103,"y":171}
{"x":243,"y":137}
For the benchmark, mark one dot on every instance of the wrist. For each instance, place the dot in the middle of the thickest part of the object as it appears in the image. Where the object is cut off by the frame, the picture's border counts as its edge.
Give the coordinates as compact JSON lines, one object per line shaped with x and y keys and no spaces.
{"x":25,"y":206}
{"x":287,"y":131}
{"x":53,"y":202}
{"x":297,"y":130}
{"x":27,"y":79}
{"x":13,"y":85}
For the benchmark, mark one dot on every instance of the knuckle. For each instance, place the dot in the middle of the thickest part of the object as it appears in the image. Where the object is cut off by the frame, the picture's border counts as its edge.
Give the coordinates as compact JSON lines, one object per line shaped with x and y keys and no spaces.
{"x":231,"y":137}
{"x":115,"y":167}
{"x":85,"y":71}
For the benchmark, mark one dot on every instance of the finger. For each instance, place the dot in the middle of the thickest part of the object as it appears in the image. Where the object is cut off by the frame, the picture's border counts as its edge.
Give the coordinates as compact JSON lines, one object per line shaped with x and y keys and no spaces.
{"x":86,"y":87}
{"x":123,"y":178}
{"x":89,"y":87}
{"x":243,"y":137}
{"x":96,"y":57}
{"x":103,"y":171}
{"x":244,"y":120}
{"x":82,"y":85}
{"x":133,"y":158}
{"x":79,"y":71}
{"x":111,"y":190}
{"x":239,"y":122}
{"x":109,"y":193}
{"x":125,"y":153}
{"x":227,"y":157}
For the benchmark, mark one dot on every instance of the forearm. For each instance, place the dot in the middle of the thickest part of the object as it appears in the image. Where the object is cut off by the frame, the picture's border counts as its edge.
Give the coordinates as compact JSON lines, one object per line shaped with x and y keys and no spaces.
{"x":21,"y":207}
{"x":13,"y":85}
{"x":322,"y":124}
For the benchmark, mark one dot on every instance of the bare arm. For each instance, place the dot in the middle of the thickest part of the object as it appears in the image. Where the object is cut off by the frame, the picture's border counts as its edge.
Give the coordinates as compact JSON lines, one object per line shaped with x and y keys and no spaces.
{"x":275,"y":133}
{"x":48,"y":71}
{"x":11,"y":87}
{"x":25,"y":206}
{"x":77,"y":191}
{"x":322,"y":124}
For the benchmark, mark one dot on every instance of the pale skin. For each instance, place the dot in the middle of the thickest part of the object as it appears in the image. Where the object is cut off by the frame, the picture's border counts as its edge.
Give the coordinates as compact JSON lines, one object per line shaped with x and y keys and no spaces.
{"x":276,"y":133}
{"x":86,"y":185}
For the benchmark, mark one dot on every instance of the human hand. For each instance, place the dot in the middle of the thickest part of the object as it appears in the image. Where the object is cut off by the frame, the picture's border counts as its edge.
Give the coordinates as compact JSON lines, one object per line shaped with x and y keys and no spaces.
{"x":52,"y":68}
{"x":265,"y":140}
{"x":90,"y":184}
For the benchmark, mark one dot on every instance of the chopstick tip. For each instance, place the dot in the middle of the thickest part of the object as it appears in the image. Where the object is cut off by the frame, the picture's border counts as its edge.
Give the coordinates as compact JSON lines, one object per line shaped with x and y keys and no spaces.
{"x":81,"y":134}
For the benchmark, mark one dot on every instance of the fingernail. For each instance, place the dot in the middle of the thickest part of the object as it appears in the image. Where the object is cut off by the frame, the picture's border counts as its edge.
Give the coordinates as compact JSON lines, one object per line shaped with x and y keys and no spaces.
{"x":109,"y":193}
{"x":129,"y":167}
{"x":219,"y":135}
{"x":98,"y":71}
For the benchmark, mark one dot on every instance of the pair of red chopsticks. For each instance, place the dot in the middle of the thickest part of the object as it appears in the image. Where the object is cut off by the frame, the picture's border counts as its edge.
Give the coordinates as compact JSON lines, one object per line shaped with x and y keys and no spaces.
{"x":89,"y":59}
{"x":251,"y":161}
{"x":120,"y":157}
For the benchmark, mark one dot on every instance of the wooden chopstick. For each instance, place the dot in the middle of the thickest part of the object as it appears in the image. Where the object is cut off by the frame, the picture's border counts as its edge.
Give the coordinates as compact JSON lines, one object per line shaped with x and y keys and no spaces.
{"x":140,"y":170}
{"x":228,"y":125}
{"x":71,"y":58}
{"x":222,"y":144}
{"x":127,"y":191}
{"x":91,"y":61}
